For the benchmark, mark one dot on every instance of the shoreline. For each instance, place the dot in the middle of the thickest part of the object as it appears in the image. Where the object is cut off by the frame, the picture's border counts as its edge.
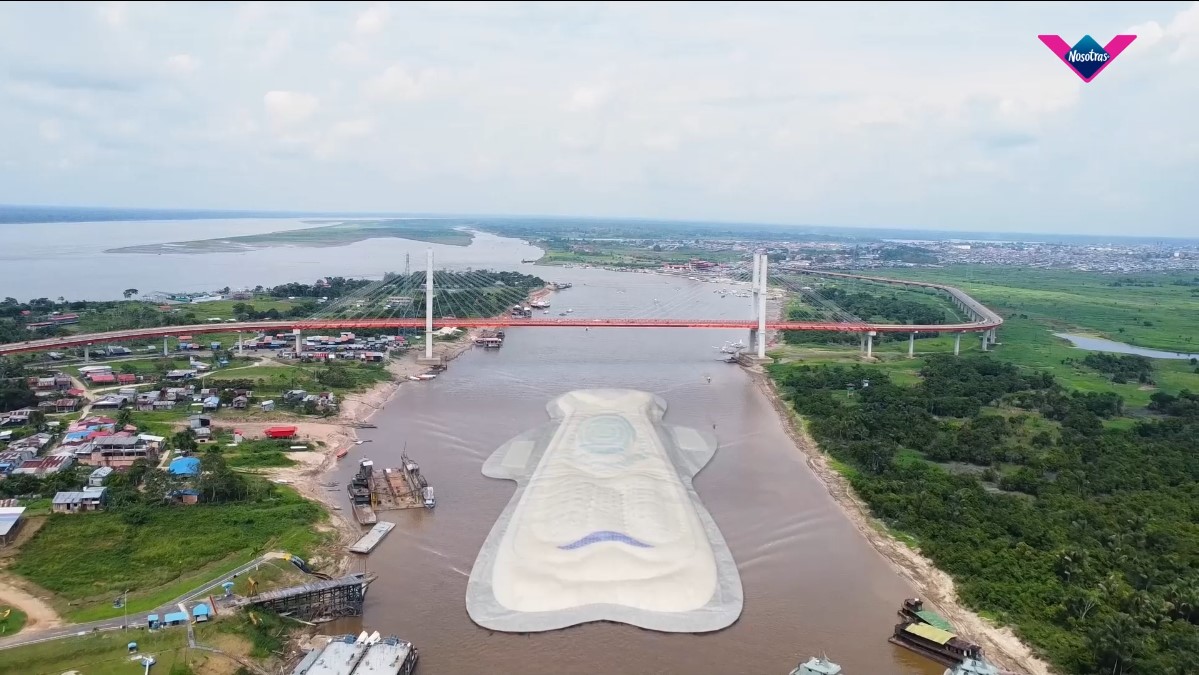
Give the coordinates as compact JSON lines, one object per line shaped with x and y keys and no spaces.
{"x":315,"y":470}
{"x":1002,"y":646}
{"x":936,"y":587}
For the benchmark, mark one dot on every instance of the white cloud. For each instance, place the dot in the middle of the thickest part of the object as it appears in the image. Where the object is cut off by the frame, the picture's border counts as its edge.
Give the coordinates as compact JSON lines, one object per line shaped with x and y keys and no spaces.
{"x":287,"y":109}
{"x":398,"y":83}
{"x":114,"y":13}
{"x":702,"y":110}
{"x":586,"y":98}
{"x":182,"y":64}
{"x":50,"y":130}
{"x":373,"y":19}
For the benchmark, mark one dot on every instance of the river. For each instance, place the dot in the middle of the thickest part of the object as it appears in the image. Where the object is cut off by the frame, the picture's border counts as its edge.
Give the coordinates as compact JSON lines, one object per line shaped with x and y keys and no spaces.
{"x":43,"y":260}
{"x":812,"y":584}
{"x":1095,"y":344}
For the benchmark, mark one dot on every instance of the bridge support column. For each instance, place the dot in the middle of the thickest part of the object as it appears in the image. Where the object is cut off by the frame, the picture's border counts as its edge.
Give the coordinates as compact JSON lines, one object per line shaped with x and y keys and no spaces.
{"x":870,"y":344}
{"x":165,"y":352}
{"x":984,"y":340}
{"x":911,"y":345}
{"x":240,"y":348}
{"x":762,"y":262}
{"x":299,"y":347}
{"x":862,"y":343}
{"x":753,"y":289}
{"x":87,"y":353}
{"x":957,"y":344}
{"x":429,"y":304}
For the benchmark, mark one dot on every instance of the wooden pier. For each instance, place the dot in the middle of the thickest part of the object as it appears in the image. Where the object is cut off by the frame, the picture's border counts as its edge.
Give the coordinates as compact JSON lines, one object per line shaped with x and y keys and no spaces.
{"x":319,"y":600}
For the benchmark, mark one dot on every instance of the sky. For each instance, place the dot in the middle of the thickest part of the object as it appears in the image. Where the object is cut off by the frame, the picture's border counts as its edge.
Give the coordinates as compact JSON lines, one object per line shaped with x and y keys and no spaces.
{"x":920,"y":115}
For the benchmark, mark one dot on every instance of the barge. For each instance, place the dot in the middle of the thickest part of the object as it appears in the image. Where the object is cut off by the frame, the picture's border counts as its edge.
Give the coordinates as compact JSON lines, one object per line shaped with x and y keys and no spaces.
{"x":938,"y":645}
{"x":913,"y":610}
{"x":371,"y":539}
{"x":361,"y":497}
{"x":363,"y":655}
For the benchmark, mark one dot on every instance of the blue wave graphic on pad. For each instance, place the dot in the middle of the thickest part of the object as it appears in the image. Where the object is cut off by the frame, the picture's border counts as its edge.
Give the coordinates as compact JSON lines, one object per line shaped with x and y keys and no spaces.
{"x":604,"y":535}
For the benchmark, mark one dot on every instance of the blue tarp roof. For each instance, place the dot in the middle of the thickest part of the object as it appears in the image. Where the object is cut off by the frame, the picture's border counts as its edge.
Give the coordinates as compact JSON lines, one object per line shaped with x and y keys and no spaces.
{"x":152,"y":617}
{"x":185,"y":466}
{"x":175,"y":616}
{"x":200,"y":610}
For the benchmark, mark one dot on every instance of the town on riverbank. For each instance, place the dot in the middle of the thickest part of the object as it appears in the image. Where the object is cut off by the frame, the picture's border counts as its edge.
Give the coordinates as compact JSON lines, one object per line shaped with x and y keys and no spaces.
{"x":335,"y":385}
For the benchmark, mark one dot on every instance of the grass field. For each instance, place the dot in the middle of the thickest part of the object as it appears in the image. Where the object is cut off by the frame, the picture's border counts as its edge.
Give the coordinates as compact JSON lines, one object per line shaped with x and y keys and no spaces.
{"x":108,"y":654}
{"x":339,"y":233}
{"x":340,"y":378}
{"x":87,"y":559}
{"x":1158,"y":316}
{"x":13,"y":620}
{"x":99,"y":654}
{"x":615,"y":254}
{"x":260,"y":453}
{"x":1037,"y":303}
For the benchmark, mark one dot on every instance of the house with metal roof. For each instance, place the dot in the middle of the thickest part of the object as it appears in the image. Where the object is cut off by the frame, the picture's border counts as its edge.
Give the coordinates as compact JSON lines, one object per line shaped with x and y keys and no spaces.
{"x":96,"y":478}
{"x":11,"y":518}
{"x":93,"y":499}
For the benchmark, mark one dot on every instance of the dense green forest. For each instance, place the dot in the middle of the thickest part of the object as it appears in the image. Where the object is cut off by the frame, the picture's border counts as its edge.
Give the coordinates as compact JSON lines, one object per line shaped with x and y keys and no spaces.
{"x":1083,"y":535}
{"x":470,"y":294}
{"x":889,"y":307}
{"x":1122,"y":367}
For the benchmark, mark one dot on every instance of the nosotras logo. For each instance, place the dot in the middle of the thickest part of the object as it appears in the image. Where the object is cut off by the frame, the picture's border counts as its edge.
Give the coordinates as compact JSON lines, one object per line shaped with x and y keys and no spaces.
{"x":1087,"y":58}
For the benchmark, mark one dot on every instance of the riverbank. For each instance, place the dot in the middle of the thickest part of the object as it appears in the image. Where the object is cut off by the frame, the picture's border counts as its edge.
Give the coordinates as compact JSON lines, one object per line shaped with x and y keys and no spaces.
{"x":936,"y":588}
{"x":313,"y":470}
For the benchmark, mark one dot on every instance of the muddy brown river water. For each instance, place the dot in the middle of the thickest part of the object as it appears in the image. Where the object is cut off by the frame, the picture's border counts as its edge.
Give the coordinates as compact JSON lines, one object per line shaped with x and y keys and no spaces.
{"x":812,"y":584}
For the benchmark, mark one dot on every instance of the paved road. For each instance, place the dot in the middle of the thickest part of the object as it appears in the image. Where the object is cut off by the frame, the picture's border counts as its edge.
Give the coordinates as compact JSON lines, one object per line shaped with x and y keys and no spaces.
{"x":135,"y":621}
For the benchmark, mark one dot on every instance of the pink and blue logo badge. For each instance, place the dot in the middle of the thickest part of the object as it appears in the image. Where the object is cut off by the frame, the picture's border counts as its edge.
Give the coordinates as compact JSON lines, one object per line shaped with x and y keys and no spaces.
{"x":1087,"y":59}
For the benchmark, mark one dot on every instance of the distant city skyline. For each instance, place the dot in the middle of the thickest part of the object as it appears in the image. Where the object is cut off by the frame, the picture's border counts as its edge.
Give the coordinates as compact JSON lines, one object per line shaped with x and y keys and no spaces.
{"x":915,"y":116}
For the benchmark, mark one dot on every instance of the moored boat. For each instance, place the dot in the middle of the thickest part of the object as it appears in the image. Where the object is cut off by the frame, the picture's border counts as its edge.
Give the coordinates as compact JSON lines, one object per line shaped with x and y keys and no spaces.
{"x":817,"y":666}
{"x":938,"y":645}
{"x":913,"y":610}
{"x":974,"y":667}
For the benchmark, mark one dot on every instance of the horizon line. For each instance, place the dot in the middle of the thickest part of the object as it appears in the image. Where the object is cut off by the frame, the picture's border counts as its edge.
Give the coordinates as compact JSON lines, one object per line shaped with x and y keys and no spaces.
{"x":270,"y":213}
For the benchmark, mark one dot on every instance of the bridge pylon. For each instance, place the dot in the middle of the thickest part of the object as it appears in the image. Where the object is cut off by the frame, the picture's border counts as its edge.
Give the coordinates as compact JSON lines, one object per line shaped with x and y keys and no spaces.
{"x":757,"y":335}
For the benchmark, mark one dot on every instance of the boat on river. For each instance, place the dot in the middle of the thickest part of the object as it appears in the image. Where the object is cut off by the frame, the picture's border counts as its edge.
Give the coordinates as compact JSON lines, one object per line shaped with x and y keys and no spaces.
{"x":913,"y":610}
{"x":817,"y":666}
{"x":974,"y":667}
{"x":939,"y":645}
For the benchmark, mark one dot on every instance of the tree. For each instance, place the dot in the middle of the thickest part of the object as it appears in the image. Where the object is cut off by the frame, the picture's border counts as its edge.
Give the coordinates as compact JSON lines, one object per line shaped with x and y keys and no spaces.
{"x":129,"y":293}
{"x":185,"y":441}
{"x":125,"y":417}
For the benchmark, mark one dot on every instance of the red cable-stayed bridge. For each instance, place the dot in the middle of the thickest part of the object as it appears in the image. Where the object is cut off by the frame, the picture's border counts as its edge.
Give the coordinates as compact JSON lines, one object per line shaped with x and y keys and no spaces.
{"x":985,"y":321}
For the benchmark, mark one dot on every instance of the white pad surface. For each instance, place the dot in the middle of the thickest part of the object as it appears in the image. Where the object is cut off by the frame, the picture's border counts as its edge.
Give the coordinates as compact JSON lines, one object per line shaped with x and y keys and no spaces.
{"x":605,"y":524}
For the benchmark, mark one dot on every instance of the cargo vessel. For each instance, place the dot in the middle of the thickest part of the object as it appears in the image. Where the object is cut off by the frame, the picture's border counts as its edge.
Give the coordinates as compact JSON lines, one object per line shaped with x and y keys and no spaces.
{"x":938,"y":645}
{"x":360,"y":493}
{"x":913,"y":610}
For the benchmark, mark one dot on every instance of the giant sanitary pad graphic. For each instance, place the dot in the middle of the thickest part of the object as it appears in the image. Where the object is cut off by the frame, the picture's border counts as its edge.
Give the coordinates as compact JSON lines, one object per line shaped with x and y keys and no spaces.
{"x":605,"y":524}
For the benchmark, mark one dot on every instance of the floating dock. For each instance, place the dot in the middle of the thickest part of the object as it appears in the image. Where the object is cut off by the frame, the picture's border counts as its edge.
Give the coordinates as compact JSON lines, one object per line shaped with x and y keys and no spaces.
{"x":403,"y":487}
{"x":371,"y":539}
